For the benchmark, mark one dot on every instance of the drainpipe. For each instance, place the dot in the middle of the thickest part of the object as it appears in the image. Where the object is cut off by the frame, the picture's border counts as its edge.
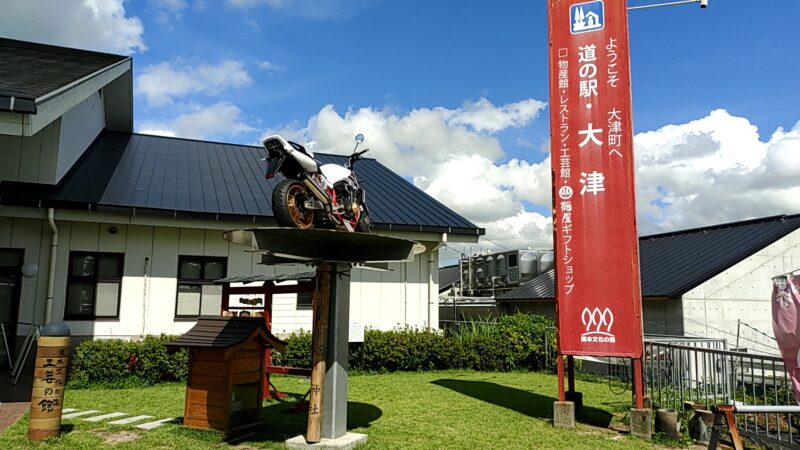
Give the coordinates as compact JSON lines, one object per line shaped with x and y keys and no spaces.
{"x":145,"y":296}
{"x":51,"y":274}
{"x":433,"y":293}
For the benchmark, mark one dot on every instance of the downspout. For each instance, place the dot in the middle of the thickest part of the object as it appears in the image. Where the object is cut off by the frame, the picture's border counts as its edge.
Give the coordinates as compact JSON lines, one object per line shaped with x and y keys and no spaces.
{"x":145,"y":296}
{"x":51,"y":274}
{"x":433,"y":294}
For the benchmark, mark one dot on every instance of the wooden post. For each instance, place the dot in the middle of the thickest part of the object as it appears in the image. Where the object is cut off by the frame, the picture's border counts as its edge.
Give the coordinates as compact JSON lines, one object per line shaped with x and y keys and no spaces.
{"x":47,"y":396}
{"x":319,"y":344}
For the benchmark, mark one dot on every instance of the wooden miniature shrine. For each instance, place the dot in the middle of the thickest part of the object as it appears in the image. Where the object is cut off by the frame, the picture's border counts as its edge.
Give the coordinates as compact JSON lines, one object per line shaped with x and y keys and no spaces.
{"x":226,"y":372}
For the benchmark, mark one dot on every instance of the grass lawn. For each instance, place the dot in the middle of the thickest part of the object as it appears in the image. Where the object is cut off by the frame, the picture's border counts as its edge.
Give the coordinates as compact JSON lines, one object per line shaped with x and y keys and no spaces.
{"x":425,"y":410}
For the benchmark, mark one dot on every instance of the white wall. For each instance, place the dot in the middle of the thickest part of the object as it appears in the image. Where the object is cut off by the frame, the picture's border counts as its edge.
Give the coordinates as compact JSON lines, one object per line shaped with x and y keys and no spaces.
{"x":48,"y":155}
{"x":742,"y":293}
{"x":397,"y":298}
{"x":31,"y":158}
{"x":381,"y":300}
{"x":28,"y":234}
{"x":79,"y":126}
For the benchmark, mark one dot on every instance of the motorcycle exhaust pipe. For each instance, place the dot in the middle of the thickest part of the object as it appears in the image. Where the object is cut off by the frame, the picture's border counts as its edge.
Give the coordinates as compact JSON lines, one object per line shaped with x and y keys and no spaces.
{"x":317,"y":191}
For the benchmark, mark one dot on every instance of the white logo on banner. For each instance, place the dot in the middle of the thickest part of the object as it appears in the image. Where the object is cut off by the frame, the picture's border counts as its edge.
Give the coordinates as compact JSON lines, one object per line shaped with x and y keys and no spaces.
{"x":585,"y":17}
{"x":598,"y":325}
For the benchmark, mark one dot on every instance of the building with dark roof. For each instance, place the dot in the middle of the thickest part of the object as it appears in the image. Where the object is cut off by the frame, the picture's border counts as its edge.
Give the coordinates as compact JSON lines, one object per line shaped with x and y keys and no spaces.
{"x":700,"y":282}
{"x":120,"y":233}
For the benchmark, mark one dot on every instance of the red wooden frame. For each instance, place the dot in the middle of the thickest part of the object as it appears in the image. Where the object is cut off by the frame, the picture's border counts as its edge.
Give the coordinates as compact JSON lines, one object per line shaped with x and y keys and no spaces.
{"x":268,"y":289}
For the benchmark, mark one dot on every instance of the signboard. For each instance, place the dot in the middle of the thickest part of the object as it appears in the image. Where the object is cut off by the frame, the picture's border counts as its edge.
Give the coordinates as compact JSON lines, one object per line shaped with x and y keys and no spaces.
{"x":598,"y":299}
{"x":356,"y":332}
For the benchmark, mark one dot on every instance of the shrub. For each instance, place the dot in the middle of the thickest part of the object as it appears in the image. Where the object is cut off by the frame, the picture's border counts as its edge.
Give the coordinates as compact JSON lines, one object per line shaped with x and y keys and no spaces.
{"x":297,"y":353}
{"x":528,"y":336}
{"x":404,"y":349}
{"x":115,"y":362}
{"x":514,"y":342}
{"x":154,"y":364}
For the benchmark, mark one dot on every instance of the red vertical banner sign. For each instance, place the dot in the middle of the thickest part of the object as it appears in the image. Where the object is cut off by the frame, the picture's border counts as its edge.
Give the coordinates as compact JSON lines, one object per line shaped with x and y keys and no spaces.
{"x":598,"y":297}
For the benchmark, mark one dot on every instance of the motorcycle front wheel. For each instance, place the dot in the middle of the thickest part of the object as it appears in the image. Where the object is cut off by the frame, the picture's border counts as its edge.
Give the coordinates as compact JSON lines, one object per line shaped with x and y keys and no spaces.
{"x":364,"y":224}
{"x":288,"y":201}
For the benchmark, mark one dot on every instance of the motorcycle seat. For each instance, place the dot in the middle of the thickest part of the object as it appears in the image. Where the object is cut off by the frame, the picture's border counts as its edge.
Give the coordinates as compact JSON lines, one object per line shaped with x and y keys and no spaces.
{"x":302,"y":150}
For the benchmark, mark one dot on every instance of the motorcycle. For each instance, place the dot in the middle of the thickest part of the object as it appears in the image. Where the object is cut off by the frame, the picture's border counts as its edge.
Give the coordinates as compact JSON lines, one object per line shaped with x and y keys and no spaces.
{"x":315,"y":194}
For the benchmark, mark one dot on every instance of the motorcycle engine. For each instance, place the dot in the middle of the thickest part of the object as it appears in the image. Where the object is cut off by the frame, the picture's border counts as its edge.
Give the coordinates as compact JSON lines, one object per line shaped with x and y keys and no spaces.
{"x":347,"y":197}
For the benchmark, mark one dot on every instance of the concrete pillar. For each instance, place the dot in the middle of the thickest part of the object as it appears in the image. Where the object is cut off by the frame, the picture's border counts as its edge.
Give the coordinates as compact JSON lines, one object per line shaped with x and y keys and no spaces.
{"x":564,"y":414}
{"x":642,"y":422}
{"x":334,"y":397}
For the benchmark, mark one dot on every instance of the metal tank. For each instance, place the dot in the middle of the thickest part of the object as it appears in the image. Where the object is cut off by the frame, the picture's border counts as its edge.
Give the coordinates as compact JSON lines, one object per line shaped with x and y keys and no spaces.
{"x":547,"y":261}
{"x":528,"y":265}
{"x":501,"y":268}
{"x":480,"y":272}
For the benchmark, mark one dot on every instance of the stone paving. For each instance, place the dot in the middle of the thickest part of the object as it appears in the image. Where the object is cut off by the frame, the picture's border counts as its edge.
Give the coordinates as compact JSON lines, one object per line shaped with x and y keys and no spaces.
{"x":15,"y":401}
{"x":11,"y":412}
{"x":92,"y":415}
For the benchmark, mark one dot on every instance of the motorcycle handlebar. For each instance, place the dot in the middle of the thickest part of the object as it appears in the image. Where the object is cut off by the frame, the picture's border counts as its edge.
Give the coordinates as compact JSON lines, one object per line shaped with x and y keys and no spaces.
{"x":355,"y":156}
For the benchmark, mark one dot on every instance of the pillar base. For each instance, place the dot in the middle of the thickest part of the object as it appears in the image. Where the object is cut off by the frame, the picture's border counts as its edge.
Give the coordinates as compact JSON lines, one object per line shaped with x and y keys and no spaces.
{"x":642,"y":422}
{"x":564,"y":414}
{"x":346,"y":442}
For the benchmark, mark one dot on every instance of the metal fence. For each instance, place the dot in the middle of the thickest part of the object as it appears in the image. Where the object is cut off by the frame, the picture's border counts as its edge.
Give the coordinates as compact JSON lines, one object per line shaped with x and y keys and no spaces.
{"x":704,"y":371}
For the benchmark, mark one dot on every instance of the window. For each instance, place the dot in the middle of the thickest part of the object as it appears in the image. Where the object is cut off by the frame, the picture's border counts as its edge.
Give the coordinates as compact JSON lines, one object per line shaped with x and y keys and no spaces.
{"x":93,"y":285}
{"x":197,"y":295}
{"x":305,"y":299}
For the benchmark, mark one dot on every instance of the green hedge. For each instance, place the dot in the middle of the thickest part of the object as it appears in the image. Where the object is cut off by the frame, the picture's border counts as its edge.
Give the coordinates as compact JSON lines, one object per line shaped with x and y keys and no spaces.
{"x":514,"y":342}
{"x":114,"y":362}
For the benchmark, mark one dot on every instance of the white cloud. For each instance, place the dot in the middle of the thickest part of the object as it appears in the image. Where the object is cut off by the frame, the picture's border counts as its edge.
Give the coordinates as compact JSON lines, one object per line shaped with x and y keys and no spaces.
{"x":715,"y":170}
{"x":201,"y":122}
{"x":270,"y":67}
{"x":712,"y":170}
{"x":157,"y":131}
{"x":483,"y":116}
{"x":452,"y":154}
{"x":101,"y":25}
{"x":416,"y":143}
{"x":161,"y":83}
{"x":308,"y":9}
{"x":254,"y":3}
{"x":168,"y":11}
{"x":521,"y":230}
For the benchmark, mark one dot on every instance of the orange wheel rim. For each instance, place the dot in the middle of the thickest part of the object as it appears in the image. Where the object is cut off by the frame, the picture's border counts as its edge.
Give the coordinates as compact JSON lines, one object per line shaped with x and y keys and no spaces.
{"x":302,"y":217}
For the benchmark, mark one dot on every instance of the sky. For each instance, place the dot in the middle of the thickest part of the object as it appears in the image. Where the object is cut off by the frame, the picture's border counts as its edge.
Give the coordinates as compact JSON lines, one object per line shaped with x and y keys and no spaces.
{"x":454,"y":95}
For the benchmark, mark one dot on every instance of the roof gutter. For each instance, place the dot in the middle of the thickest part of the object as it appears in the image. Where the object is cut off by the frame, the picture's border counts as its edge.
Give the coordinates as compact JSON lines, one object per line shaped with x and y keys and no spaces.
{"x":25,"y":105}
{"x":17,"y":104}
{"x":79,"y":81}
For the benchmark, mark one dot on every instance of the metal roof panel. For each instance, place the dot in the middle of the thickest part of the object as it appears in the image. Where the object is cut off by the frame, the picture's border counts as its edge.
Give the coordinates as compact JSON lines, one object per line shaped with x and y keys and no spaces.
{"x":672,"y":264}
{"x":189,"y":176}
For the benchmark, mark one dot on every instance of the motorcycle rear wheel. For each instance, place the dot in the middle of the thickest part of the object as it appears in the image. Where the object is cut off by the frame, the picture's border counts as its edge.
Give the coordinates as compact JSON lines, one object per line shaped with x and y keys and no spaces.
{"x":287,"y":205}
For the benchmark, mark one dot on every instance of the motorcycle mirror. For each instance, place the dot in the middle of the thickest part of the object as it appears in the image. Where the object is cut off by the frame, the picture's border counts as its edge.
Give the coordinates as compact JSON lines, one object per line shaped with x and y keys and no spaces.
{"x":359,"y":138}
